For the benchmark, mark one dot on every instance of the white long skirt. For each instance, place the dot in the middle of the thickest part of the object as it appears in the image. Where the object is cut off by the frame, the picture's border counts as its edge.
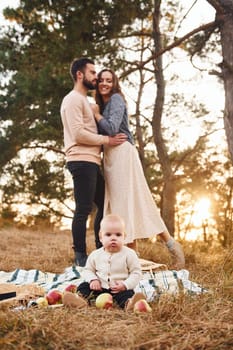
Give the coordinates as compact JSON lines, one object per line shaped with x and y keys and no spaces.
{"x":127,"y":193}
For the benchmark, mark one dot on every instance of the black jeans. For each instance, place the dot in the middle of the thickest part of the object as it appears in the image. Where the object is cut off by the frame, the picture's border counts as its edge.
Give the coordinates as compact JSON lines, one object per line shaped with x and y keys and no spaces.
{"x":88,"y":188}
{"x":120,"y":298}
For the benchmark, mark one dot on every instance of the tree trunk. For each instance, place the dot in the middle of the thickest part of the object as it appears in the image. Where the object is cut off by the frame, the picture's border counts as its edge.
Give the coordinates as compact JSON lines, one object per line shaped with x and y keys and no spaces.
{"x":169,"y":192}
{"x":226,"y":29}
{"x":141,"y":145}
{"x":224,"y":11}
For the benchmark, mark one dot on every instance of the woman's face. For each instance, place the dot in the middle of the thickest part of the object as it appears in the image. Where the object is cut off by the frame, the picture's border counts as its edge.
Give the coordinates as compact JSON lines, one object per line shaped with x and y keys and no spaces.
{"x":105,"y":84}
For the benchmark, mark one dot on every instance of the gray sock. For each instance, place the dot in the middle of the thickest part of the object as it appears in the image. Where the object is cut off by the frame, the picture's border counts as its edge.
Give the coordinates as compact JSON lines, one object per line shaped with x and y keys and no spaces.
{"x":170,"y":243}
{"x":177,"y":253}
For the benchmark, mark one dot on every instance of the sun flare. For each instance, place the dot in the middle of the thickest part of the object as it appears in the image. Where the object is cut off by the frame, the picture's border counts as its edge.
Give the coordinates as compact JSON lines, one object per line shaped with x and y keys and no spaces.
{"x":201,"y":211}
{"x":198,"y":220}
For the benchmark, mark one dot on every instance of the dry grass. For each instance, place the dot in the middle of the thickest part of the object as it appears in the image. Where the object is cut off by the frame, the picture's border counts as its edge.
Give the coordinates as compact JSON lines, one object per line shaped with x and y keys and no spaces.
{"x":184,"y":323}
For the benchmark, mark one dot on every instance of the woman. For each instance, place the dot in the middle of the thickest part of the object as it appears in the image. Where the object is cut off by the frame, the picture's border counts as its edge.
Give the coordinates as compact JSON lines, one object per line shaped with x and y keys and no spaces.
{"x":126,"y":191}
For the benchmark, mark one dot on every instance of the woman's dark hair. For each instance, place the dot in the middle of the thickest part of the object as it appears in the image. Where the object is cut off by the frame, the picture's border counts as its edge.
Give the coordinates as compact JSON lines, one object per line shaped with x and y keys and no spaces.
{"x":115,"y":88}
{"x":79,"y":64}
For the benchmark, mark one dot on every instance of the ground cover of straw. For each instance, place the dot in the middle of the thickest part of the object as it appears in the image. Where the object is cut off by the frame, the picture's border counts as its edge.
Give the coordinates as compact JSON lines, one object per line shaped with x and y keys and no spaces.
{"x":184,"y":323}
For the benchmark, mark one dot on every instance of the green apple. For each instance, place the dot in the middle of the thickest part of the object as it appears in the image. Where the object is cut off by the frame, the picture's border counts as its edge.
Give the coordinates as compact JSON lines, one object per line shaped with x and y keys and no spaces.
{"x":42,"y":302}
{"x":104,"y":301}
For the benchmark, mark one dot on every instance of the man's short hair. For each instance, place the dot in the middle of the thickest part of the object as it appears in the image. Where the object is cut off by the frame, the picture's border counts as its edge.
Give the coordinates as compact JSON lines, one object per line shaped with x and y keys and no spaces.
{"x":79,"y":64}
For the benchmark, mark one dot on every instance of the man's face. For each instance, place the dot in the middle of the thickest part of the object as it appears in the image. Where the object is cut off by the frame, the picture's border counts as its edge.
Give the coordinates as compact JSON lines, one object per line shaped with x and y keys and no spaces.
{"x":90,"y":77}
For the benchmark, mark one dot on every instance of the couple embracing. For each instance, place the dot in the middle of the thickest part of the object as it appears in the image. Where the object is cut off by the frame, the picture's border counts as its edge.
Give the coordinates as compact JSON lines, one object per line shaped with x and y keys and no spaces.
{"x":122,"y":188}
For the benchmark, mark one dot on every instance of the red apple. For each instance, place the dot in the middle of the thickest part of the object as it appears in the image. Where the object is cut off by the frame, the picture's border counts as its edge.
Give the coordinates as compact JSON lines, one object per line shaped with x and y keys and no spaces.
{"x":104,"y":301}
{"x":54,"y":296}
{"x":142,"y":306}
{"x":71,"y":288}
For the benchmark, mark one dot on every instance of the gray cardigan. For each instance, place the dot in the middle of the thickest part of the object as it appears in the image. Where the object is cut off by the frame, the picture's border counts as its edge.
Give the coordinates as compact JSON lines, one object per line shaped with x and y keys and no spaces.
{"x":115,"y":118}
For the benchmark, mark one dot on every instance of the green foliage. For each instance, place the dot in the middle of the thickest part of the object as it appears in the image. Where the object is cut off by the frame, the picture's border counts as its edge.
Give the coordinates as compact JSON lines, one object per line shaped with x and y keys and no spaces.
{"x":35,"y":54}
{"x":38,"y":181}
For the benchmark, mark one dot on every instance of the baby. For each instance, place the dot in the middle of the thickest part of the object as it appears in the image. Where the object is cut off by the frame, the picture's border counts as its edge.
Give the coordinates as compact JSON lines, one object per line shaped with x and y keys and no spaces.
{"x":113,"y":268}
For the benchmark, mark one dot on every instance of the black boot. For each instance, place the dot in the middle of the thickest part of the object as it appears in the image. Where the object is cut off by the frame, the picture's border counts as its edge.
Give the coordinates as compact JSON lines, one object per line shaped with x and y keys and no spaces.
{"x":98,"y":244}
{"x":80,"y":258}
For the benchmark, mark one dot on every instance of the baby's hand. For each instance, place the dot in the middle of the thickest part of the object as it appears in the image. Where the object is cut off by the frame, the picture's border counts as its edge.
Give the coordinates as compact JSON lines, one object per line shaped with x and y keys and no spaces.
{"x":95,"y":285}
{"x":117,"y":286}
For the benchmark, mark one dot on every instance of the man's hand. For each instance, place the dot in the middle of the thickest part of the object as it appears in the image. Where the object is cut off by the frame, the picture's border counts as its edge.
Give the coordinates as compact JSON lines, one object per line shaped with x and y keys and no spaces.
{"x":117,"y":139}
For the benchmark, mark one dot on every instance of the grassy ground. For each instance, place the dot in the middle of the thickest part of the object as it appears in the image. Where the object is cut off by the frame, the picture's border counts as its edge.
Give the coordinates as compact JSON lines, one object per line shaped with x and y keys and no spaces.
{"x":184,"y":323}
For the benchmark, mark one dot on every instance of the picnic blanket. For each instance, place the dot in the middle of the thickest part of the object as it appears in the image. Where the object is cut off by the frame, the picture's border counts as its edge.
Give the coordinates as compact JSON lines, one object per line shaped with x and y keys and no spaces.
{"x":153,"y":284}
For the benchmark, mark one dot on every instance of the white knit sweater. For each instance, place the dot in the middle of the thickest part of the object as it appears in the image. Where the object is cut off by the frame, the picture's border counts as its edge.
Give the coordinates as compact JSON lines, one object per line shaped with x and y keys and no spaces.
{"x":108,"y":267}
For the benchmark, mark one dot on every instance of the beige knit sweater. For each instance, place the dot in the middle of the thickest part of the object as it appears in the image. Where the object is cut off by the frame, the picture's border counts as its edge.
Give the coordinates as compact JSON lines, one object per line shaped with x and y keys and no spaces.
{"x":109,"y":267}
{"x":81,"y":139}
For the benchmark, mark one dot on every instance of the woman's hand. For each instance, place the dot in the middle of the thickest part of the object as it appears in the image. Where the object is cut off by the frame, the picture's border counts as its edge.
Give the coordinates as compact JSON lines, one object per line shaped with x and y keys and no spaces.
{"x":95,"y":108}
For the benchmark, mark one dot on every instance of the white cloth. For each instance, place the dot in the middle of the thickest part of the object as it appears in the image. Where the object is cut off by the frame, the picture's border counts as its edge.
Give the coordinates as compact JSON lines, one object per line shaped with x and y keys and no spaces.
{"x":152,"y":284}
{"x":127,"y":193}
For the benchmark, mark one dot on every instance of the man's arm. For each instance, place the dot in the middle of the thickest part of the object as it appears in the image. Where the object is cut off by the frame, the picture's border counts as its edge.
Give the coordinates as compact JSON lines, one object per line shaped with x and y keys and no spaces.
{"x":74,"y":125}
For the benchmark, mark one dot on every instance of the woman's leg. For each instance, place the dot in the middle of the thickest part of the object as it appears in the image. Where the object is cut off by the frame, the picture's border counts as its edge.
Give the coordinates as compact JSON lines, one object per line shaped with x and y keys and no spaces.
{"x":175,"y":250}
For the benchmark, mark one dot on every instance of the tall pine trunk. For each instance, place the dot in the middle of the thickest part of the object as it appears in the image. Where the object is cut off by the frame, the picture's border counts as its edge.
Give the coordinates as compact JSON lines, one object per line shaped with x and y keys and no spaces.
{"x":226,"y":29}
{"x":169,"y":191}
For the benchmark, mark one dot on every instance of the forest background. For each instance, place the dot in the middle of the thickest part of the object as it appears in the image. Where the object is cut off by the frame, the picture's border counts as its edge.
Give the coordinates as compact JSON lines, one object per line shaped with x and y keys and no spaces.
{"x":176,"y":72}
{"x":175,"y":62}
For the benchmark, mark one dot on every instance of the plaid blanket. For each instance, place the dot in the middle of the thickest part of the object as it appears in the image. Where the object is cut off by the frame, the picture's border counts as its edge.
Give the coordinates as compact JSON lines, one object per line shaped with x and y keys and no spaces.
{"x":153,"y":283}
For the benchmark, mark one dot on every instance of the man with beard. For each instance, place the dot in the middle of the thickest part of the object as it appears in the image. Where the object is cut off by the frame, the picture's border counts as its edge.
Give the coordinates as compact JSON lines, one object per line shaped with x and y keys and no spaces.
{"x":83,"y":154}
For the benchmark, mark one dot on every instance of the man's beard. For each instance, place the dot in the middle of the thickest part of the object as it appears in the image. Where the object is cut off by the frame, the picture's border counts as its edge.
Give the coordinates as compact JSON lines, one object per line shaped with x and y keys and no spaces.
{"x":88,"y":84}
